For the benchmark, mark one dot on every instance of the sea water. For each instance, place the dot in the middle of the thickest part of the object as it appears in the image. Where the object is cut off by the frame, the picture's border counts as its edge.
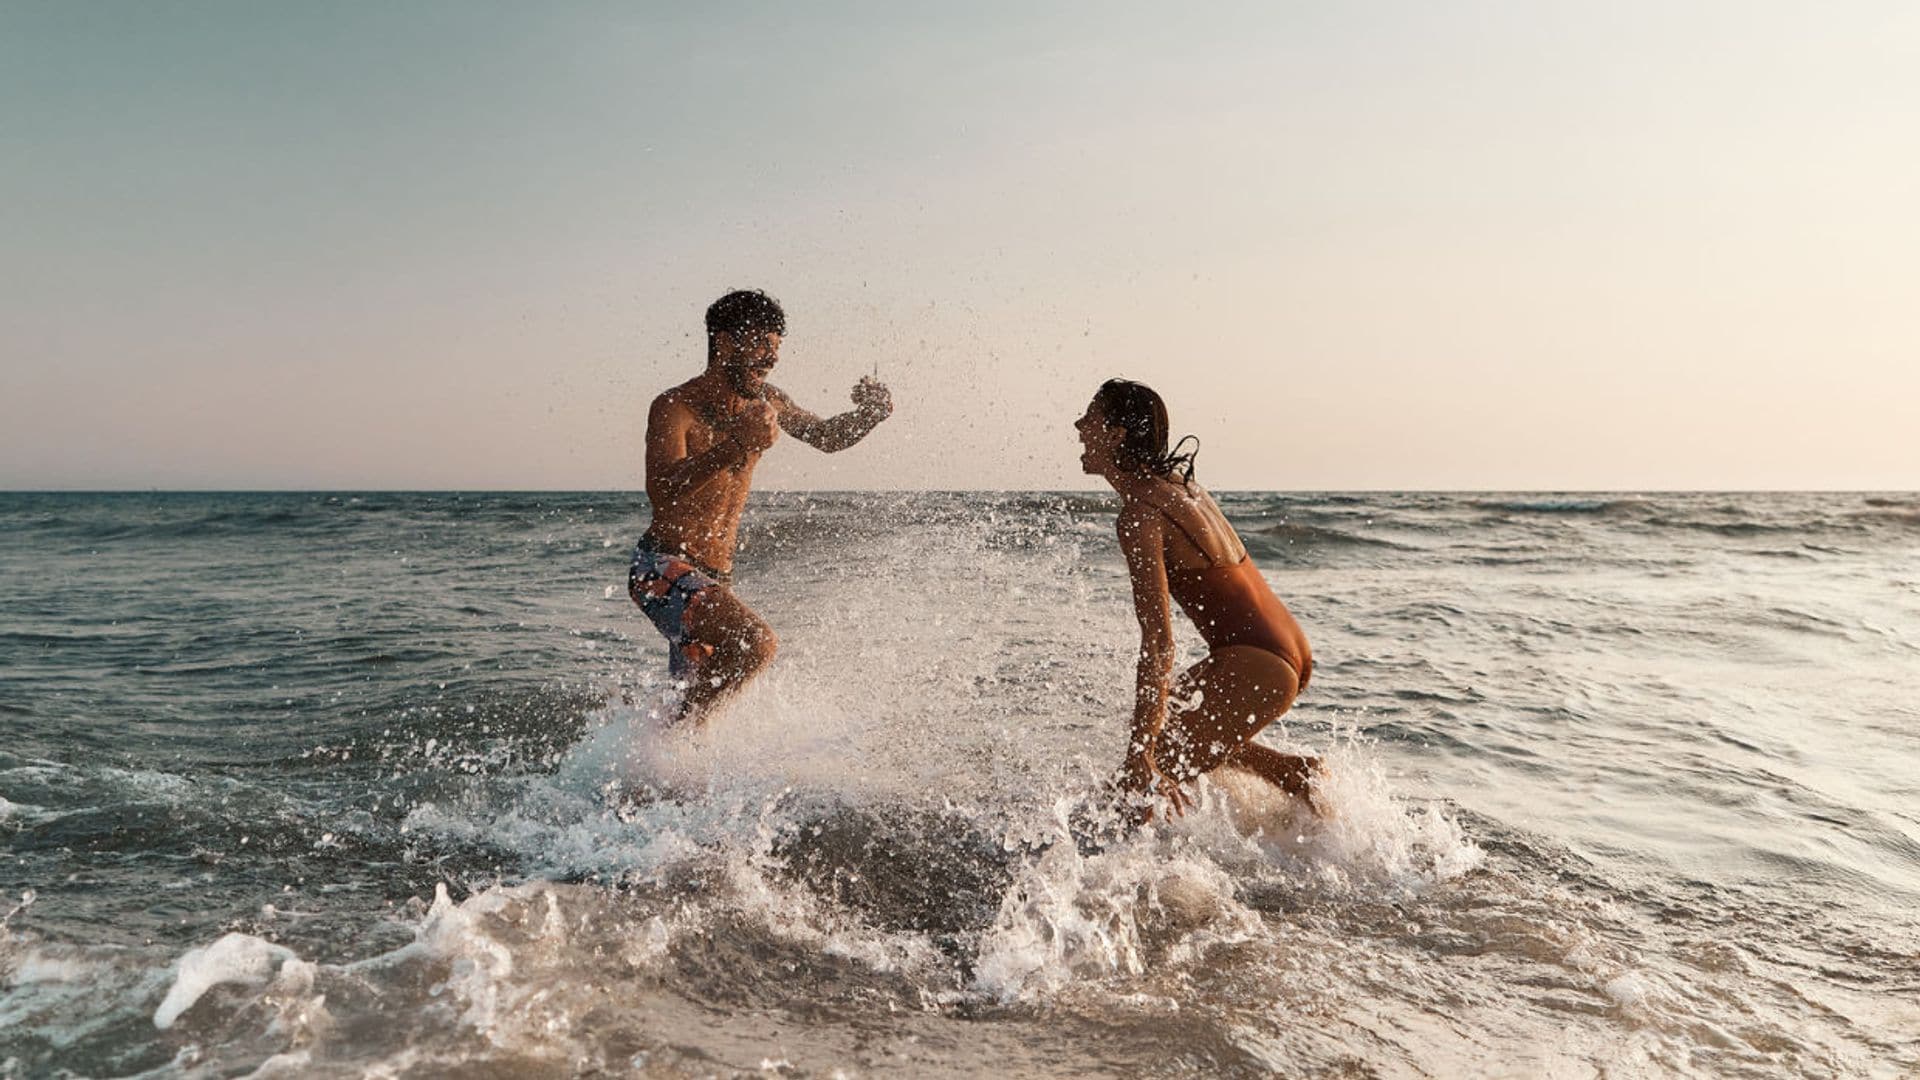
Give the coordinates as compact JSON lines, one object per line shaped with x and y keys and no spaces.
{"x":335,"y":784}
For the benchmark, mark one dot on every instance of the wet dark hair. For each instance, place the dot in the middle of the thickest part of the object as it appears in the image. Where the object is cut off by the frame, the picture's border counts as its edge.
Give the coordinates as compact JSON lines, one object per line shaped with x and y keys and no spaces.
{"x":744,"y":311}
{"x":1141,"y":412}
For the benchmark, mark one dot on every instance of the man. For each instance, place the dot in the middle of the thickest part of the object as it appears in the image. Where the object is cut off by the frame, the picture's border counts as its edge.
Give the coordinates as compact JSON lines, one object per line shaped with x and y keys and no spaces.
{"x":703,"y":439}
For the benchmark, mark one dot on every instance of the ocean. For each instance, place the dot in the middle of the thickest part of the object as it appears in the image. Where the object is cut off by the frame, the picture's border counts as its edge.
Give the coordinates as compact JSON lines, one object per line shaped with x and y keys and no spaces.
{"x":310,"y":784}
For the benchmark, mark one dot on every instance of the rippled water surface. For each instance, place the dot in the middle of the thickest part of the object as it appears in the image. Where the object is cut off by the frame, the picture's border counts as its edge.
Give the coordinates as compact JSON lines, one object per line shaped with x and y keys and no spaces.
{"x":307,"y":784}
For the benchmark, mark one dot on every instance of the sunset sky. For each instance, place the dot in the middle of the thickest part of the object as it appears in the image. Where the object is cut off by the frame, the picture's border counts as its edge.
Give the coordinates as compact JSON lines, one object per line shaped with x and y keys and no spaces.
{"x":1405,"y":245}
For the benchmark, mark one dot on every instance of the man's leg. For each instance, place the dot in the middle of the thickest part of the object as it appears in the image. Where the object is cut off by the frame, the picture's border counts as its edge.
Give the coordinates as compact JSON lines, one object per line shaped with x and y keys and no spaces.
{"x":742,"y":645}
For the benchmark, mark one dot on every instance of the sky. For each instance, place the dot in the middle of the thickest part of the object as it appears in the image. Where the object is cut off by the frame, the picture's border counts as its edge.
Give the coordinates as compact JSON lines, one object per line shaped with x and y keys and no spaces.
{"x":1371,"y":245}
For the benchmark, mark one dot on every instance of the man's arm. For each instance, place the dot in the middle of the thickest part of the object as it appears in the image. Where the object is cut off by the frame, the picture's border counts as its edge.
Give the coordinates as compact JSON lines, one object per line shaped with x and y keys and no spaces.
{"x":835,"y":433}
{"x":672,"y":473}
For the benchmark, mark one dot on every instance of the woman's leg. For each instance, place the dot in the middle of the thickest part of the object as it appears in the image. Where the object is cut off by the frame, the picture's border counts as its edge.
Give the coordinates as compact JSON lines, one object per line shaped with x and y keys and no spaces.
{"x":1216,"y":708}
{"x":1288,"y":772}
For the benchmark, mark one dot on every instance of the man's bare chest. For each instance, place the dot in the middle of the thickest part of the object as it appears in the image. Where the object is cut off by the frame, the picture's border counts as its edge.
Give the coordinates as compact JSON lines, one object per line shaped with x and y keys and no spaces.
{"x":702,"y":436}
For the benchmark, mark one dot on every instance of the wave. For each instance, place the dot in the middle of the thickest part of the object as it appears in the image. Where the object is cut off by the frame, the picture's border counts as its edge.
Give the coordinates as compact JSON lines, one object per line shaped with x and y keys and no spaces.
{"x":753,"y":903}
{"x":921,"y":870}
{"x":1737,"y":529}
{"x":1289,"y":534}
{"x":1567,"y":505}
{"x":143,"y":524}
{"x":1890,"y":515}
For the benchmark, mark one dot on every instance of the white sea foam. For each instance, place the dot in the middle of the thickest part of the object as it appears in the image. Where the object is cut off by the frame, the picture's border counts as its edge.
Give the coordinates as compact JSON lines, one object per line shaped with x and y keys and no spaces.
{"x":39,"y":967}
{"x":235,"y":958}
{"x":1070,"y":918}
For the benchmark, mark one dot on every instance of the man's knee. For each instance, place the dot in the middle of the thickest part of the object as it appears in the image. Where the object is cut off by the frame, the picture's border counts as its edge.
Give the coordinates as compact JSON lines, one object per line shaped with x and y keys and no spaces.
{"x":752,"y":646}
{"x":761,"y":645}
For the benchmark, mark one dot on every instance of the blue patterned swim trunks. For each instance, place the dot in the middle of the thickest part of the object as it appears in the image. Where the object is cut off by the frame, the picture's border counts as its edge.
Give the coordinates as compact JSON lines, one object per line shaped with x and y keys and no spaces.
{"x":666,"y":585}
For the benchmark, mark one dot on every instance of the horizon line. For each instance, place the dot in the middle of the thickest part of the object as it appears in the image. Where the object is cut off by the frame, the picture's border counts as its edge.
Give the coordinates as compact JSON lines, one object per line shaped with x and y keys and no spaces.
{"x":641,"y":492}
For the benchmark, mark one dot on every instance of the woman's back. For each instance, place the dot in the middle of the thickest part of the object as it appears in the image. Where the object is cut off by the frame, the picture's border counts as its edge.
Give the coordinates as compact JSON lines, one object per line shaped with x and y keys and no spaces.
{"x":1216,"y":583}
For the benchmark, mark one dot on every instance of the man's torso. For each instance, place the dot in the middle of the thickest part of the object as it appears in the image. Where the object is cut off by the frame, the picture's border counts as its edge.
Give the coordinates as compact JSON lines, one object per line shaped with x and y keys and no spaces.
{"x":705,"y":523}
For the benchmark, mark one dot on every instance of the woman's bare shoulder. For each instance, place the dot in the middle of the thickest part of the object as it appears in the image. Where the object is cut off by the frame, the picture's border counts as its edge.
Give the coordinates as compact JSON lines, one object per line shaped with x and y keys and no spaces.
{"x":1137,"y":516}
{"x":1206,"y":528}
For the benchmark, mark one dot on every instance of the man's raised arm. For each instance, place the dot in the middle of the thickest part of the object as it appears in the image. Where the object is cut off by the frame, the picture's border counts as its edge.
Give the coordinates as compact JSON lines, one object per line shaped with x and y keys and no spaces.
{"x":672,"y":473}
{"x":872,"y":404}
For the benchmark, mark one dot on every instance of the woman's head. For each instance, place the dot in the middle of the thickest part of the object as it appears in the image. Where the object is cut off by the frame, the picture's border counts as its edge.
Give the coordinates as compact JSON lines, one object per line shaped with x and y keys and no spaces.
{"x":1126,"y":424}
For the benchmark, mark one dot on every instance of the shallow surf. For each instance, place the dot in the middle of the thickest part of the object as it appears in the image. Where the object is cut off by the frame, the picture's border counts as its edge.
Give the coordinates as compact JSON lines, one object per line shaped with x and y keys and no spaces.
{"x":372,"y":785}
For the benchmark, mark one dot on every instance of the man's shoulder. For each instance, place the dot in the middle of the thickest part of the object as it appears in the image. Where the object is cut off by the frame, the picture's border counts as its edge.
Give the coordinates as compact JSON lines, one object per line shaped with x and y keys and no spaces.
{"x":688,"y":396}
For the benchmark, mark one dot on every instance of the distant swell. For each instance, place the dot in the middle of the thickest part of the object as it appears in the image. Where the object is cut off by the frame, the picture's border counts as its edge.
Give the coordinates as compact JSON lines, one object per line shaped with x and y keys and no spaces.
{"x":1287,"y":535}
{"x":1731,"y":529}
{"x":1554,"y":506}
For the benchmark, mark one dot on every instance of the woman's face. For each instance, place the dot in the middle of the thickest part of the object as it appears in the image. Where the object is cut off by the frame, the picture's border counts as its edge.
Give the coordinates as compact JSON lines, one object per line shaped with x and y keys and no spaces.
{"x":1099,"y":440}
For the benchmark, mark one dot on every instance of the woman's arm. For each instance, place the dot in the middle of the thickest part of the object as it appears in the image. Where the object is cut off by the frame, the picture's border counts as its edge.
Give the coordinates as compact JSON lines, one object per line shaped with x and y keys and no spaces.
{"x":1143,"y":541}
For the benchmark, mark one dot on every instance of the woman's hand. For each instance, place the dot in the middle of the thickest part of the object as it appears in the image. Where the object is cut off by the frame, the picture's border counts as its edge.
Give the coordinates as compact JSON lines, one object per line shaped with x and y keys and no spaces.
{"x":1178,"y":801}
{"x":1140,"y":776}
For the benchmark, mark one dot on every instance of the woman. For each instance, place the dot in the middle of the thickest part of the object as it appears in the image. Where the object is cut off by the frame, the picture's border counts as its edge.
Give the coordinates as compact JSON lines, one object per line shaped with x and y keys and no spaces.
{"x":1178,"y":544}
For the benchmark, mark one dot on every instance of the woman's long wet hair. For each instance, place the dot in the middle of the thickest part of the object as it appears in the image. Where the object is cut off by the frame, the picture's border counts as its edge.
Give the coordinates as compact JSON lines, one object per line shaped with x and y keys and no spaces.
{"x":1141,"y":412}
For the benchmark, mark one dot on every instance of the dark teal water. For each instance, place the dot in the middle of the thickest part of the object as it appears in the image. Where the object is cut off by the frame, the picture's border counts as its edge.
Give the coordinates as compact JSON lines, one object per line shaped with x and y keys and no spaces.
{"x":1622,"y":783}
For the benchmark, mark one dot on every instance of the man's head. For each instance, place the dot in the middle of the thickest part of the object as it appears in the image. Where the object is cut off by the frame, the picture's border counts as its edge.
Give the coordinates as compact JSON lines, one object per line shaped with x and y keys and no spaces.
{"x":744,"y":329}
